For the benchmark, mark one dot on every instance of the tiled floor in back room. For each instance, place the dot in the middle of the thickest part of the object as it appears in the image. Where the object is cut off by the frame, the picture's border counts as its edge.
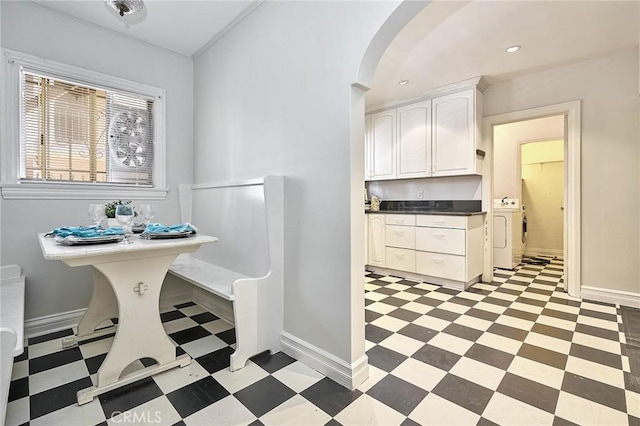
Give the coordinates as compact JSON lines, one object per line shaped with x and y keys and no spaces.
{"x":516,"y":352}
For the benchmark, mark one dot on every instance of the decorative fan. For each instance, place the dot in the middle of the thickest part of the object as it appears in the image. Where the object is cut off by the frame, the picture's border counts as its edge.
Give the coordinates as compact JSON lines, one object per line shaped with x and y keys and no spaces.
{"x":127,"y":139}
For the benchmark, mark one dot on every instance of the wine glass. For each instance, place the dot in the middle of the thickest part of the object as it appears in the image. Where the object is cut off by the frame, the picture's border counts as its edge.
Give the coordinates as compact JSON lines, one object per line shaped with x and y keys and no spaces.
{"x":124,"y":216}
{"x":97,"y":214}
{"x":147,"y":212}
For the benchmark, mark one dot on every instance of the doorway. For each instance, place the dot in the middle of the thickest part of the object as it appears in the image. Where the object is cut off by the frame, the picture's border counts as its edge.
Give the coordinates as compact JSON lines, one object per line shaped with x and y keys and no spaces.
{"x":570,"y":113}
{"x":542,"y":197}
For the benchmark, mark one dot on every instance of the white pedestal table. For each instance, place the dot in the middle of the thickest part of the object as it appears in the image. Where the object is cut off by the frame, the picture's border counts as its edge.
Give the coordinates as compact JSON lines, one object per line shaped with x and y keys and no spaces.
{"x":126,"y":284}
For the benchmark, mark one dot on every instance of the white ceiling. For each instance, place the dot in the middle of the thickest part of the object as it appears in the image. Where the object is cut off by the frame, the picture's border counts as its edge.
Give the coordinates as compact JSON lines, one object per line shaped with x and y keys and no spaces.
{"x":448,"y":41}
{"x":182,"y":26}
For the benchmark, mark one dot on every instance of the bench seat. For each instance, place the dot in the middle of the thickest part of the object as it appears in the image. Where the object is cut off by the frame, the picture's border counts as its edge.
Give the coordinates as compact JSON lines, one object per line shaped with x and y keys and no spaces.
{"x":253,"y":304}
{"x":207,"y":276}
{"x":11,"y":327}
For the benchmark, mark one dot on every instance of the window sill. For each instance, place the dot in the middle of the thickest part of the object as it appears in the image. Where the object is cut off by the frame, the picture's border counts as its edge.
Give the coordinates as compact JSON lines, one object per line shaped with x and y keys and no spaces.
{"x":57,"y":191}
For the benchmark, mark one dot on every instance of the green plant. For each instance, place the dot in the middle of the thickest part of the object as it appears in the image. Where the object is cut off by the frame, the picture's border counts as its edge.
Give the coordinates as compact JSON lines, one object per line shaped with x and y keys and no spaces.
{"x":110,"y":208}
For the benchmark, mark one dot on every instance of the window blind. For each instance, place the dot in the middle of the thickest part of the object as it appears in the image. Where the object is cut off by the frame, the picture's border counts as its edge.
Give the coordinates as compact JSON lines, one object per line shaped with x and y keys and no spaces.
{"x":73,"y":132}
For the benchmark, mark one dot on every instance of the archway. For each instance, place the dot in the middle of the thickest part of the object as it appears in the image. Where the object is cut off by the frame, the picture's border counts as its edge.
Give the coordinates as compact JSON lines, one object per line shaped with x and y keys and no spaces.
{"x":406,"y":11}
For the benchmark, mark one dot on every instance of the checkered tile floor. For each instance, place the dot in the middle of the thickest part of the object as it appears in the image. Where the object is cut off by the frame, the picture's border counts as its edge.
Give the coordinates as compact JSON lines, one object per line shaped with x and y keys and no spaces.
{"x":516,"y":352}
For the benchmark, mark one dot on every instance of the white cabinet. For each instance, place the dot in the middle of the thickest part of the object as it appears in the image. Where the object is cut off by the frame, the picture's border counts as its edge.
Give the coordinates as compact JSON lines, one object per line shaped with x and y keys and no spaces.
{"x":376,"y":240}
{"x":414,"y":140}
{"x":440,"y":249}
{"x":382,"y":145}
{"x":434,"y":137}
{"x":456,"y":133}
{"x":401,"y":259}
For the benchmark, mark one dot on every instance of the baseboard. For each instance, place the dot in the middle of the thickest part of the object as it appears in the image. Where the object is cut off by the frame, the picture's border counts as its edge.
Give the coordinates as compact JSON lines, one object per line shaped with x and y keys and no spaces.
{"x":606,"y":295}
{"x":338,"y":370}
{"x":533,"y":251}
{"x":51,"y":323}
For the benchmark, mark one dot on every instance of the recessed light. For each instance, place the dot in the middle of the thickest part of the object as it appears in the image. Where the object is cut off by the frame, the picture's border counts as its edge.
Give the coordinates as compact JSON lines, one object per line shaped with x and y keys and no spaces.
{"x":403,"y":82}
{"x":512,"y":49}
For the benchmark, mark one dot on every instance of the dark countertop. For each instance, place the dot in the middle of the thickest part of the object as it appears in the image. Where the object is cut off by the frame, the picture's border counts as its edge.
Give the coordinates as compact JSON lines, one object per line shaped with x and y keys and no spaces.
{"x":430,"y":212}
{"x":431,"y":207}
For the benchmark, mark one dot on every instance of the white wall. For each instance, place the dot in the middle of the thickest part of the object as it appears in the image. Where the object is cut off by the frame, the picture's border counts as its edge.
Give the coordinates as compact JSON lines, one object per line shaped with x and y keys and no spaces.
{"x":608,"y":88}
{"x":440,"y":188}
{"x":506,"y":137}
{"x":273,"y":96}
{"x":53,"y":287}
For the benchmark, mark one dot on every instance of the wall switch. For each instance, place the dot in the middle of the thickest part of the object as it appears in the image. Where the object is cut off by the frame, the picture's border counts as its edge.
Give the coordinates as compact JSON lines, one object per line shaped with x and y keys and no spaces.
{"x":420,"y":194}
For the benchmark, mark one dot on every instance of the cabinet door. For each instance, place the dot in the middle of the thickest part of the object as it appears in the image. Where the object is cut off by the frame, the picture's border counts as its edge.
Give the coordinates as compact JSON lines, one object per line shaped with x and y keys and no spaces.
{"x":383,"y":145}
{"x":454,"y":134}
{"x":376,"y":240}
{"x":414,"y":140}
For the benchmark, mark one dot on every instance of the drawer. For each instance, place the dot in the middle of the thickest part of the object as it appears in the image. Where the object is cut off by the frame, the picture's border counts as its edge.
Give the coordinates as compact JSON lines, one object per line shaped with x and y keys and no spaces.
{"x":401,"y":219}
{"x":442,"y":221}
{"x":400,"y":236}
{"x":441,"y":240}
{"x":441,"y":265}
{"x":401,"y":259}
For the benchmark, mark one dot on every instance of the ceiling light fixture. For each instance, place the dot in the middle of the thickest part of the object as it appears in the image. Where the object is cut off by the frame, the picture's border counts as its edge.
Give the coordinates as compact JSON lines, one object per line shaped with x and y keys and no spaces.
{"x":512,"y":49}
{"x":403,"y":82}
{"x":126,"y":7}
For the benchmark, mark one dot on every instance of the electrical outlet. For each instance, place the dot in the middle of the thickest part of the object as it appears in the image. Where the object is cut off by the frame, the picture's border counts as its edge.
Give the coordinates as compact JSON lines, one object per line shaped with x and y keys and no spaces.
{"x":420,"y":194}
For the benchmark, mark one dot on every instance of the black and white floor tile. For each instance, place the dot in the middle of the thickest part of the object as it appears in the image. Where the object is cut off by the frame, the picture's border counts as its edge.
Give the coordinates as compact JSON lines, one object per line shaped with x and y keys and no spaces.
{"x":518,"y":351}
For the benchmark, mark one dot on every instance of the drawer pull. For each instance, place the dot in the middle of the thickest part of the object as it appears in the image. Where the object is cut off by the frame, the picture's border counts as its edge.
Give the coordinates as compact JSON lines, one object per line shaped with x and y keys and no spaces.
{"x":438,"y":236}
{"x":399,"y":233}
{"x":438,"y":261}
{"x":439,"y":222}
{"x":399,"y":220}
{"x":400,"y":256}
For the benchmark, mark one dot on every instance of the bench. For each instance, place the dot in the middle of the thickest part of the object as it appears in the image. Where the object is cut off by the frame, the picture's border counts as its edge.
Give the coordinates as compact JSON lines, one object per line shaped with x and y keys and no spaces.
{"x":11,"y":327}
{"x":253,"y":304}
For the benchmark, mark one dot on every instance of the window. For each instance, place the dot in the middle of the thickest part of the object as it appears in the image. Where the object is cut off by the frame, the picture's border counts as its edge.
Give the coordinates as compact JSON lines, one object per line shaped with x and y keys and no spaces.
{"x":74,"y":131}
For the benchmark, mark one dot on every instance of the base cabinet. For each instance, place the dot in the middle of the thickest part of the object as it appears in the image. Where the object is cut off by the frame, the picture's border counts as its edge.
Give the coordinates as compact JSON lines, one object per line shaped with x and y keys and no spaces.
{"x":376,"y":238}
{"x":439,"y":249}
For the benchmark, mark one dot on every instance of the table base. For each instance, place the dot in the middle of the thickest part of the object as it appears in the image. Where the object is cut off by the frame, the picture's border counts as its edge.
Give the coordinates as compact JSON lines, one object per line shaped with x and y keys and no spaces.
{"x":74,"y":340}
{"x":86,"y":395}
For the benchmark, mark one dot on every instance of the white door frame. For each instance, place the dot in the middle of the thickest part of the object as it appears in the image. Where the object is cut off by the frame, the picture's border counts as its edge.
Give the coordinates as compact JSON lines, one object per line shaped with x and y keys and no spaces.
{"x":572,"y":184}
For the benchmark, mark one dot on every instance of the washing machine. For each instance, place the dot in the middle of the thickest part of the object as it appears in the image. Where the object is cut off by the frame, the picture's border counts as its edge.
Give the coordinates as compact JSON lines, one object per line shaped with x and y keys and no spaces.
{"x":509,"y":237}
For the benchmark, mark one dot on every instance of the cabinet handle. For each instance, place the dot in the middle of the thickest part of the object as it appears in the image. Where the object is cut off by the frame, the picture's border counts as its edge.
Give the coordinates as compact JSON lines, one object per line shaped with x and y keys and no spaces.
{"x":438,"y":261}
{"x":438,"y":236}
{"x":439,"y":222}
{"x":400,"y":221}
{"x":399,"y":233}
{"x":400,"y":256}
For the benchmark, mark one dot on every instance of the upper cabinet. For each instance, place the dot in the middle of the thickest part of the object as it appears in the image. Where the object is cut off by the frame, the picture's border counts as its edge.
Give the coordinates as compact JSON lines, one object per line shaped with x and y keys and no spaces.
{"x":434,"y":137}
{"x":414,"y":140}
{"x":382,"y":145}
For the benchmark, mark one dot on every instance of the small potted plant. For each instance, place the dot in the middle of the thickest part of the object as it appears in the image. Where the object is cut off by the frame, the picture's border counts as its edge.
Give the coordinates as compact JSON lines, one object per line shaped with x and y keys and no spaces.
{"x":110,"y":211}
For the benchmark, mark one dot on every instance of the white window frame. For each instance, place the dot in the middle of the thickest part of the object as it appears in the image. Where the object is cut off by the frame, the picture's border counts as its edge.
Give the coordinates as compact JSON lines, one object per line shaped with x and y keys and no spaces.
{"x":11,"y":185}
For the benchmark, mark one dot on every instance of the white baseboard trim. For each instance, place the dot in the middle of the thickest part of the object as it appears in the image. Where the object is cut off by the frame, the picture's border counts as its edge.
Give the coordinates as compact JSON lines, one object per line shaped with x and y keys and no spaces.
{"x":533,"y":251}
{"x":338,"y":370}
{"x":606,"y":295}
{"x":52,"y":323}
